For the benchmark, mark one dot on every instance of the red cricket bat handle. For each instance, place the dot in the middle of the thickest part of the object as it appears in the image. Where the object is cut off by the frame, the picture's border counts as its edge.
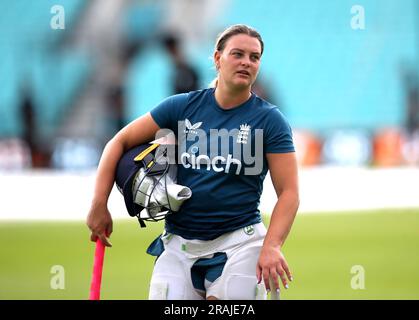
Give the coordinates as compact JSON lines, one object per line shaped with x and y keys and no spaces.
{"x":97,"y":271}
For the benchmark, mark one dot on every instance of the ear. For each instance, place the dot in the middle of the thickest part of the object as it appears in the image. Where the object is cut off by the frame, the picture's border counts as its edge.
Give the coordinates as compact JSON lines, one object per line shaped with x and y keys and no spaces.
{"x":217,"y":56}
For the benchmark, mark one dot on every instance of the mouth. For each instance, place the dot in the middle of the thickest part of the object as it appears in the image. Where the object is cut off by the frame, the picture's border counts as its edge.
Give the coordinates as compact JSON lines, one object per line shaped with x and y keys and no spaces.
{"x":243,"y":72}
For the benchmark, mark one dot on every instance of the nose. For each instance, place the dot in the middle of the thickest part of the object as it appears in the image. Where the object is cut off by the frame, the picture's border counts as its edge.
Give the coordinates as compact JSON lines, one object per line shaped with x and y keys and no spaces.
{"x":245,"y":62}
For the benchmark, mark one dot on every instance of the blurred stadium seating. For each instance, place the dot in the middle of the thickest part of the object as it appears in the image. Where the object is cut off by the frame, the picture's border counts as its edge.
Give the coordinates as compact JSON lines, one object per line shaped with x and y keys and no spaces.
{"x":31,"y":58}
{"x":350,"y":95}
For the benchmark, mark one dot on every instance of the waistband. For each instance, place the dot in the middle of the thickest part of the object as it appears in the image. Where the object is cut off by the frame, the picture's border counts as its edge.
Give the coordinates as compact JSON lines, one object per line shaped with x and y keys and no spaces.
{"x":201,"y":248}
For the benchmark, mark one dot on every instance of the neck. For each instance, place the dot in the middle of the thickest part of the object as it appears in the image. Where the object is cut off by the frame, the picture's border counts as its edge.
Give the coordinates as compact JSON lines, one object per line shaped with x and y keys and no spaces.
{"x":228,"y":98}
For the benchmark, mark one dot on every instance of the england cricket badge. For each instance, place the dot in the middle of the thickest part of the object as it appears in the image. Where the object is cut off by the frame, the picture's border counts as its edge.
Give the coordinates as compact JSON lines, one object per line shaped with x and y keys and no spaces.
{"x":249,"y":230}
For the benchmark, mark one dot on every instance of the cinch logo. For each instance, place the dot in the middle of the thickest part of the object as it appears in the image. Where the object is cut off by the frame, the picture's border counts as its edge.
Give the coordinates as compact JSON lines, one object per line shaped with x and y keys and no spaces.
{"x":195,"y":162}
{"x":191,"y":128}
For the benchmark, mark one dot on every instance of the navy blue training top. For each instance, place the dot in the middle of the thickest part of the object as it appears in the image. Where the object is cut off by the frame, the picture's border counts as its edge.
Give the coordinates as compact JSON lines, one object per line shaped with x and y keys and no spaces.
{"x":221,"y":158}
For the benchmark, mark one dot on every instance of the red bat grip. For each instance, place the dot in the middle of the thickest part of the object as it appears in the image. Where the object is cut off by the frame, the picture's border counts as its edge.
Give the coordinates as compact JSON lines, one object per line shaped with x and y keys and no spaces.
{"x":97,"y":271}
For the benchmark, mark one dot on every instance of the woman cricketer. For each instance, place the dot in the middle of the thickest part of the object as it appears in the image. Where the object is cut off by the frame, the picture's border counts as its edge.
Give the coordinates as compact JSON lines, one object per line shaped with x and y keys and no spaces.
{"x":216,"y":246}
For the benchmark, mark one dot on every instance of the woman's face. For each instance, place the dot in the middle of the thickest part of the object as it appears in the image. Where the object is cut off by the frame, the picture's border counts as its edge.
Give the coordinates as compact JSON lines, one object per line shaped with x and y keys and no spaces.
{"x":238,"y":64}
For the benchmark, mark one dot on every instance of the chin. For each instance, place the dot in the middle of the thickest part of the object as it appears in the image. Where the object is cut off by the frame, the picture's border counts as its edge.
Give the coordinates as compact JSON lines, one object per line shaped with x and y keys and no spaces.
{"x":243,"y":84}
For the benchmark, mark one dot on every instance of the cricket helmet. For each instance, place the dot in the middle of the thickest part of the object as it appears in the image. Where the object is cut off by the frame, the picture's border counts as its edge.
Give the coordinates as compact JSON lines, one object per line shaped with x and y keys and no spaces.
{"x":146,"y":177}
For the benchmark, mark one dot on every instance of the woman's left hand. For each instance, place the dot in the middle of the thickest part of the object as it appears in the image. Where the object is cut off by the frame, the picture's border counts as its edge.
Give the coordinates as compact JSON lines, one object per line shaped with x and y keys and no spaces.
{"x":272,"y":264}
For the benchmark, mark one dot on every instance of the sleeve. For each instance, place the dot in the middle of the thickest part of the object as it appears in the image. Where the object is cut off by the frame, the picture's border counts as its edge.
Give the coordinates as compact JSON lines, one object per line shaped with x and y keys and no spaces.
{"x":278,"y":133}
{"x":167,"y":113}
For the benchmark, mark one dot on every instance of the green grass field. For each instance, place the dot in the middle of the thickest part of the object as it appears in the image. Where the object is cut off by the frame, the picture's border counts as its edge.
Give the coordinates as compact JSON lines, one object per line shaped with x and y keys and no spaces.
{"x":321,"y":250}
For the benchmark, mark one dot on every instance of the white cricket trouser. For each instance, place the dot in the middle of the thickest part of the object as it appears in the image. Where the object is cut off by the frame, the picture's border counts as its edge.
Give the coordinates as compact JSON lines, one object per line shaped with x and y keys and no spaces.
{"x":224,"y":267}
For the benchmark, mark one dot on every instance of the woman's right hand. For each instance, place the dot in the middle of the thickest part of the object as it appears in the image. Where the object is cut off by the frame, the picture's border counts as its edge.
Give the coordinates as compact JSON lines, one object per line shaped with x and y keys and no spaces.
{"x":100,"y":223}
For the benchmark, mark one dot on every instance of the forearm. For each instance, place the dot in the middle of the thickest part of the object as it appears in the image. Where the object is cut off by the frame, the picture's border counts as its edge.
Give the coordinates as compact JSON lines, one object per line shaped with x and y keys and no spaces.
{"x":105,"y":175}
{"x":282,"y":218}
{"x":138,"y":131}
